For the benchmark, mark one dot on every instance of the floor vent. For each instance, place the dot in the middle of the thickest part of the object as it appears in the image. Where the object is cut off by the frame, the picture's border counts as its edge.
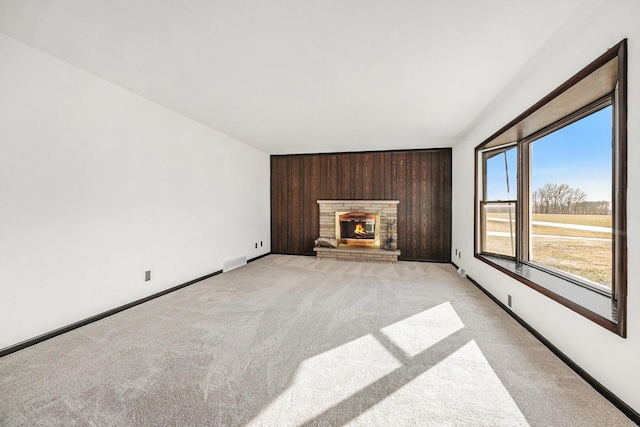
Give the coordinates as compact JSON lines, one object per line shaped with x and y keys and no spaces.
{"x":234,"y":263}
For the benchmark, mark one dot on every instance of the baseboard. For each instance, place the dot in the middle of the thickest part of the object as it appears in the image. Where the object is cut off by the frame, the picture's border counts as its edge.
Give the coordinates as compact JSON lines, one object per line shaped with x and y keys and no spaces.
{"x":436,"y":261}
{"x":605,"y":392}
{"x":291,"y":253}
{"x":64,"y":329}
{"x":431,"y":261}
{"x":258,"y":257}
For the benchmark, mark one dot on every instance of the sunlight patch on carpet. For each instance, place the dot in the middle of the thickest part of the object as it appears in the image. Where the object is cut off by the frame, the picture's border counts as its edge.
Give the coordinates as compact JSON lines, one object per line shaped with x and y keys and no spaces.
{"x":462,"y":389}
{"x":327,"y":379}
{"x":417,"y":333}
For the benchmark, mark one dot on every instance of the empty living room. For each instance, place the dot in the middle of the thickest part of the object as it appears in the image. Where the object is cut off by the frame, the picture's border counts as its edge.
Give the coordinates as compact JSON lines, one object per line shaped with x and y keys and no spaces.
{"x":320,"y":213}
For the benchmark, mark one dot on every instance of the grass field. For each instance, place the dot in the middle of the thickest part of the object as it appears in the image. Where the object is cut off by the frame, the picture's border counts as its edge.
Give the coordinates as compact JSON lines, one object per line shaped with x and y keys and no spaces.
{"x":503,"y":226}
{"x":591,"y":220}
{"x":597,"y":220}
{"x":583,"y":253}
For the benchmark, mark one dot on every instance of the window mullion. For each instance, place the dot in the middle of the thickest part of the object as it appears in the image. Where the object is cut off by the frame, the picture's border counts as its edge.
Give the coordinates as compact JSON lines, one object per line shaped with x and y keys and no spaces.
{"x":523,"y":206}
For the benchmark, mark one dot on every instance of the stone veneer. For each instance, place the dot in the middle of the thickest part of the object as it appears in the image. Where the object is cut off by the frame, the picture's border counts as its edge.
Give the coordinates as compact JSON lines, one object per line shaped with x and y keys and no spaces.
{"x":388,"y":210}
{"x":352,"y":253}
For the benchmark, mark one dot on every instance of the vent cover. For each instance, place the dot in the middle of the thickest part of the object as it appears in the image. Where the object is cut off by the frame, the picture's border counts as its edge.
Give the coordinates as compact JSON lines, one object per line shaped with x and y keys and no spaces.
{"x":461,"y":272}
{"x":233,"y":263}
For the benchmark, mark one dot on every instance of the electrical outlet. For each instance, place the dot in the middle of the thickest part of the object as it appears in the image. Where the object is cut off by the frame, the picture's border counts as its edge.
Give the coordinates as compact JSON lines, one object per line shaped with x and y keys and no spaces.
{"x":509,"y":300}
{"x":147,"y":276}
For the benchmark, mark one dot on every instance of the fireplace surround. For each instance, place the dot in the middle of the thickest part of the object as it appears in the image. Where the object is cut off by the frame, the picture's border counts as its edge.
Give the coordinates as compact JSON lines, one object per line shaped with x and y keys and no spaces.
{"x":361,"y":228}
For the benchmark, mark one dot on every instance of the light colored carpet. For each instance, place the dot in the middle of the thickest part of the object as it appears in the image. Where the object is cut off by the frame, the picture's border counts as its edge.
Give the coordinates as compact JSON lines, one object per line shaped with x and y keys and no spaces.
{"x":290,"y":340}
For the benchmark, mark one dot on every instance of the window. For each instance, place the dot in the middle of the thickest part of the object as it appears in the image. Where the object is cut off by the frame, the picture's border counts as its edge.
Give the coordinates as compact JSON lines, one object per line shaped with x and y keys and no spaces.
{"x":498,"y":206}
{"x":570,"y":197}
{"x":551,"y":194}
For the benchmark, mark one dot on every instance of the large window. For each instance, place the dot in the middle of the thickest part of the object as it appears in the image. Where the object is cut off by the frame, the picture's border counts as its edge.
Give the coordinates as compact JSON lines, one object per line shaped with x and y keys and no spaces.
{"x":570,"y":192}
{"x":551,"y":194}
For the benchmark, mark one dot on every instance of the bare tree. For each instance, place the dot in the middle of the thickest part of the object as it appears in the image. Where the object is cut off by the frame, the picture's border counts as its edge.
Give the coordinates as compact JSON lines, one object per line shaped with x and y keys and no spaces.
{"x":554,"y":198}
{"x":576,"y":197}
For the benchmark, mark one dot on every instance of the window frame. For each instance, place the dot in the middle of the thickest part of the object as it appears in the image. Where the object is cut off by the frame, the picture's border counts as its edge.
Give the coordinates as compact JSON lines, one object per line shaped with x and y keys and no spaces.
{"x":525,"y":228}
{"x":538,"y":121}
{"x":496,"y":152}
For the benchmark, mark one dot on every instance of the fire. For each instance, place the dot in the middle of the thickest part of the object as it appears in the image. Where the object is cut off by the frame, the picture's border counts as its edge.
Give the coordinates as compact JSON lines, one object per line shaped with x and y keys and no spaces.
{"x":359,"y":229}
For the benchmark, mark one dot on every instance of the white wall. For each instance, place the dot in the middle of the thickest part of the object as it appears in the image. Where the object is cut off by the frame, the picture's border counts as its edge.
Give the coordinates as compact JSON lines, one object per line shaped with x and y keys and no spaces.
{"x":98,"y":185}
{"x":612,"y":360}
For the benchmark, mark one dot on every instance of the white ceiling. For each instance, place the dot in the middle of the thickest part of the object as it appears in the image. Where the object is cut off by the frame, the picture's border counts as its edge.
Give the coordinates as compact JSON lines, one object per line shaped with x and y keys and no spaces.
{"x":300,"y":76}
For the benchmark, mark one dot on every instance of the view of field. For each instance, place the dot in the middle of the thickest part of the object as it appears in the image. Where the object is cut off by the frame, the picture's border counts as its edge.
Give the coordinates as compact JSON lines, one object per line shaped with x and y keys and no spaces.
{"x":576,"y":244}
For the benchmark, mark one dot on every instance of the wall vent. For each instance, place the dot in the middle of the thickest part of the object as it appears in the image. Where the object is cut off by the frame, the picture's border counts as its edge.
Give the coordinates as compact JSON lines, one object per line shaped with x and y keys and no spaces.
{"x":461,"y":272}
{"x":233,"y":263}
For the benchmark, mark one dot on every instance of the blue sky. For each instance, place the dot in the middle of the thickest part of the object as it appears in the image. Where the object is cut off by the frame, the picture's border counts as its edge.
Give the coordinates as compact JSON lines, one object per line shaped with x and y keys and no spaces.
{"x":578,"y":155}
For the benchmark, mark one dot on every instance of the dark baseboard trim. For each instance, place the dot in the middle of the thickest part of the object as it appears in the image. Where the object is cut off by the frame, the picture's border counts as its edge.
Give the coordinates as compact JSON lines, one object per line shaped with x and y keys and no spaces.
{"x":605,"y":392}
{"x":438,"y":261}
{"x":291,"y":253}
{"x":432,"y":261}
{"x":62,"y":330}
{"x":258,"y":257}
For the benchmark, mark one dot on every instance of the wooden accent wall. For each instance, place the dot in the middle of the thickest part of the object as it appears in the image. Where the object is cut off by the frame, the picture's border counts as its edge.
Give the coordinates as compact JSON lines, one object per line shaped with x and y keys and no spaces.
{"x":420,"y":180}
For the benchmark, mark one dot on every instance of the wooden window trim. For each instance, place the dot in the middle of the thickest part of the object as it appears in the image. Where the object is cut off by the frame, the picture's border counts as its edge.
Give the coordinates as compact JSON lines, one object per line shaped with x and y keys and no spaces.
{"x":605,"y":76}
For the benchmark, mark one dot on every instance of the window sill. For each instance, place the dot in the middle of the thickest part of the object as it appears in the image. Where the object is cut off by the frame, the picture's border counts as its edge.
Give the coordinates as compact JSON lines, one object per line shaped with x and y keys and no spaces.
{"x":591,"y":304}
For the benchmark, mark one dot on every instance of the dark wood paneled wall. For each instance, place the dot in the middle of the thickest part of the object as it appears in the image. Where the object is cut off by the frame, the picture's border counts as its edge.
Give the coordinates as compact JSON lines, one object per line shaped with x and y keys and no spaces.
{"x":420,"y":180}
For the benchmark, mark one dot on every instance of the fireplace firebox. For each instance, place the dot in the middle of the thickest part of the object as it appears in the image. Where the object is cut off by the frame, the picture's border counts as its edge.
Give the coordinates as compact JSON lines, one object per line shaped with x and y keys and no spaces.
{"x":358,"y":228}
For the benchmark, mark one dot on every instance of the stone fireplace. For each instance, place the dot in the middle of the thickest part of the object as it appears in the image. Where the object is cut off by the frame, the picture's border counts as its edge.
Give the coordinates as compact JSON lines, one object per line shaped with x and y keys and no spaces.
{"x":360,"y":227}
